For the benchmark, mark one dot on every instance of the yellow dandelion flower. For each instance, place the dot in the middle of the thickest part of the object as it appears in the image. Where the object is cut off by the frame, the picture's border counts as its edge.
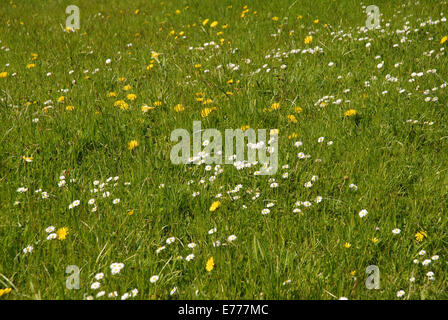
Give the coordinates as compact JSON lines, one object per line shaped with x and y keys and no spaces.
{"x":443,"y":40}
{"x":132,"y":144}
{"x":69,"y":108}
{"x":274,"y":18}
{"x":3,"y":74}
{"x":350,"y":113}
{"x":374,"y":240}
{"x":131,"y":97}
{"x":30,"y":65}
{"x":5,"y":291}
{"x":308,"y":39}
{"x":61,"y":99}
{"x":298,"y":109}
{"x":210,"y":264}
{"x":179,"y":107}
{"x":205,"y":22}
{"x":157,"y":103}
{"x":62,"y":233}
{"x":245,"y":127}
{"x":275,"y":106}
{"x":112,"y":94}
{"x":292,"y":118}
{"x":419,"y":236}
{"x":127,"y":87}
{"x":215,"y":205}
{"x":28,"y":159}
{"x":213,"y":24}
{"x":347,"y":245}
{"x":316,"y":21}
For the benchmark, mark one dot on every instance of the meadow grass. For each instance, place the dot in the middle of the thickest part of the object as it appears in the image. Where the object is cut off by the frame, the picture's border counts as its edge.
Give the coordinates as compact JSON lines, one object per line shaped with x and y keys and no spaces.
{"x":60,"y":117}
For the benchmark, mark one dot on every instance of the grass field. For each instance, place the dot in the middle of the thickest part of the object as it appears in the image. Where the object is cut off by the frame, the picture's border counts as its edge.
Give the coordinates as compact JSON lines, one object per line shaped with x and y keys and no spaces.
{"x":85,"y":172}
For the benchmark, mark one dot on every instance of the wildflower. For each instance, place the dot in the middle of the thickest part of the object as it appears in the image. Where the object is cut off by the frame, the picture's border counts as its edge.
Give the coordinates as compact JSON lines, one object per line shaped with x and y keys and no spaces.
{"x":95,"y":285}
{"x":27,"y":159}
{"x":5,"y":291}
{"x":189,"y":257}
{"x":62,"y":233}
{"x":350,"y":113}
{"x":347,"y":245}
{"x":213,"y":24}
{"x":363,"y":213}
{"x":28,"y":249}
{"x":154,"y":279}
{"x":231,"y":238}
{"x":396,"y":231}
{"x":419,"y":236}
{"x":215,"y":205}
{"x":3,"y":74}
{"x":30,"y":65}
{"x":400,"y":293}
{"x":69,"y":108}
{"x":132,"y":144}
{"x":131,"y":96}
{"x":443,"y":40}
{"x":210,"y":264}
{"x":308,"y":39}
{"x":179,"y":108}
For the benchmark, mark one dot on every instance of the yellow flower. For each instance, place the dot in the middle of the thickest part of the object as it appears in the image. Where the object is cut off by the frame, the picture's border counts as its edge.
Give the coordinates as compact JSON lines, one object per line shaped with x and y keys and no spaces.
{"x":275,"y":106}
{"x":245,"y":127}
{"x":292,"y":118}
{"x":112,"y":94}
{"x":353,"y":273}
{"x":419,"y":236}
{"x":374,"y":240}
{"x":316,"y":21}
{"x":298,"y":109}
{"x":213,"y":24}
{"x":127,"y":87}
{"x":30,"y":65}
{"x":215,"y":205}
{"x":179,"y":108}
{"x":293,"y":136}
{"x":131,"y":212}
{"x":137,"y":11}
{"x":197,"y":66}
{"x":34,"y":55}
{"x":122,"y":104}
{"x":350,"y":112}
{"x":206,"y":111}
{"x":299,"y":17}
{"x":150,"y":66}
{"x":69,"y":108}
{"x":131,"y":97}
{"x":61,"y":99}
{"x":157,"y":103}
{"x":308,"y":39}
{"x":3,"y":74}
{"x":443,"y":40}
{"x":210,"y":264}
{"x":133,"y":144}
{"x":28,"y":159}
{"x":146,"y":108}
{"x":347,"y":245}
{"x":274,"y":18}
{"x":62,"y":233}
{"x":5,"y":291}
{"x":205,"y":22}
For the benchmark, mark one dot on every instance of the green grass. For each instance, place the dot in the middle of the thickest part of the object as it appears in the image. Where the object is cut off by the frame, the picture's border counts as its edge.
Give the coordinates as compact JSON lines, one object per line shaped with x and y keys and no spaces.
{"x":399,"y":167}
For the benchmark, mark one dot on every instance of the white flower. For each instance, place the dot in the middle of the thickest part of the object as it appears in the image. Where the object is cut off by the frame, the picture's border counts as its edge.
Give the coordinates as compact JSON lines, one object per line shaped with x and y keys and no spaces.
{"x":116,"y":201}
{"x":362,"y":213}
{"x":160,"y":249}
{"x":434,"y":258}
{"x":400,"y":293}
{"x":396,"y":231}
{"x":426,"y":262}
{"x":265,"y":211}
{"x":50,"y":229}
{"x":191,"y":245}
{"x":28,"y":249}
{"x":189,"y":257}
{"x":231,"y":238}
{"x":421,"y":252}
{"x":170,"y":240}
{"x":91,"y":201}
{"x":173,"y":291}
{"x":213,"y":230}
{"x":51,"y":236}
{"x":99,"y":276}
{"x":95,"y":285}
{"x":321,"y":139}
{"x":100,"y":294}
{"x":154,"y":279}
{"x":108,"y":61}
